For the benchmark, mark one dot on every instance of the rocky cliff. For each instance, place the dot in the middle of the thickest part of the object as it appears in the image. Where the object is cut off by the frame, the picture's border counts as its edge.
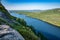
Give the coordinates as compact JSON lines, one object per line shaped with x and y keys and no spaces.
{"x":9,"y":26}
{"x":7,"y":33}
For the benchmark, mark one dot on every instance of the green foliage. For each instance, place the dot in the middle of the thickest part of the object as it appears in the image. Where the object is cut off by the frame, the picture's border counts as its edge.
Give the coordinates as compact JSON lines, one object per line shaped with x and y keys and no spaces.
{"x":21,"y":21}
{"x":2,"y":9}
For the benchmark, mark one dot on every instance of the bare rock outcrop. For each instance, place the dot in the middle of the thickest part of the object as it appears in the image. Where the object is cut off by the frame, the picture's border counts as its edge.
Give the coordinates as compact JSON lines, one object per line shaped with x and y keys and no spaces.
{"x":7,"y":33}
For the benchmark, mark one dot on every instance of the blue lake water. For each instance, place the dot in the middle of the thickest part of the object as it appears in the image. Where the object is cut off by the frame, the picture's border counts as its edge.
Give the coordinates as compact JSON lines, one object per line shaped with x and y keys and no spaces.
{"x":49,"y":31}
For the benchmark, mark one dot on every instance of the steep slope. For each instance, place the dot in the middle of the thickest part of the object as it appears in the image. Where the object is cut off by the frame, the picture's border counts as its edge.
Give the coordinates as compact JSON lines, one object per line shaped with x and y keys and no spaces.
{"x":17,"y":24}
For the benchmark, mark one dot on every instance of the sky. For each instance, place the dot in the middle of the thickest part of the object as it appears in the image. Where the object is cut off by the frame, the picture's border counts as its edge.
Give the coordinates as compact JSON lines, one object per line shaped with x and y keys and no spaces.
{"x":31,"y":4}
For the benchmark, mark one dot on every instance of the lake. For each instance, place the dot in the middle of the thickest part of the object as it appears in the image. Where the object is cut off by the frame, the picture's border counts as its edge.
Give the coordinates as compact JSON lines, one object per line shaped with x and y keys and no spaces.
{"x":51,"y":32}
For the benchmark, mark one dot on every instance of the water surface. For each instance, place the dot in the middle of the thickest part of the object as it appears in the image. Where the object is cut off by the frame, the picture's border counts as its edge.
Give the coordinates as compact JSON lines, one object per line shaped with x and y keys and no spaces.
{"x":49,"y":31}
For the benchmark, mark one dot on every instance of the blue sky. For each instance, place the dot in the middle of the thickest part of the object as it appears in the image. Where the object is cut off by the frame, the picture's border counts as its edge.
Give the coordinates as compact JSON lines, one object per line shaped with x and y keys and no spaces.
{"x":31,"y":4}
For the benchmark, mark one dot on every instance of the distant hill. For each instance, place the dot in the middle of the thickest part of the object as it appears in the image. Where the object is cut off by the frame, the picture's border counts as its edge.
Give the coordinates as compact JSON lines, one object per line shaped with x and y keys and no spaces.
{"x":56,"y":9}
{"x":25,"y":10}
{"x":51,"y":16}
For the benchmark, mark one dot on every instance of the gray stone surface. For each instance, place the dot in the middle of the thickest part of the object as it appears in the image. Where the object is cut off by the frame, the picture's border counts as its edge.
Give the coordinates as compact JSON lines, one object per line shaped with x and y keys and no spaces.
{"x":7,"y":33}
